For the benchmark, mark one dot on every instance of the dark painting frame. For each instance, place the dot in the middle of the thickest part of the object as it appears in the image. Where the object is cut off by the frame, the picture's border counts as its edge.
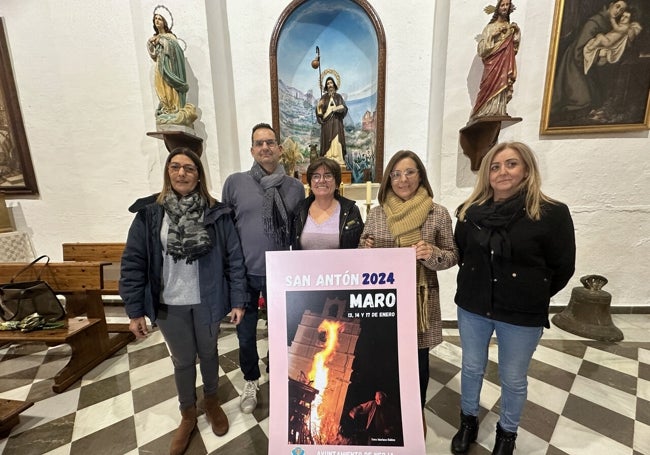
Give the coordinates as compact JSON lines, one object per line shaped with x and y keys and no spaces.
{"x":16,"y":169}
{"x":306,"y":47}
{"x":609,"y":96}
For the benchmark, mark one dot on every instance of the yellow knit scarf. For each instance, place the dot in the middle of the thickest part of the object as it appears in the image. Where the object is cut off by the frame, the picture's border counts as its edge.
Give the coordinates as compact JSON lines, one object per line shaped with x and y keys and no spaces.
{"x":405,"y":220}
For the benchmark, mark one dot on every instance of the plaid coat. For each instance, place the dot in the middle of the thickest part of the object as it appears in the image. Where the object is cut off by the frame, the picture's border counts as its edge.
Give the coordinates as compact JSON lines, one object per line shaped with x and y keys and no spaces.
{"x":437,"y":231}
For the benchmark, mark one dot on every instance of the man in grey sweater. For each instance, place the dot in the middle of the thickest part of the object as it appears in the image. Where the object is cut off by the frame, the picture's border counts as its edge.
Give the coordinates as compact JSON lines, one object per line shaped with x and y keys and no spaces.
{"x":263,"y":199}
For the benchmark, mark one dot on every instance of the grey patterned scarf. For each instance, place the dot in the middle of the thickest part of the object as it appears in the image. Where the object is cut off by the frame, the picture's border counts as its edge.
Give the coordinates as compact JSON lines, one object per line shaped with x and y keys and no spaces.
{"x":274,"y":212}
{"x":187,"y":238}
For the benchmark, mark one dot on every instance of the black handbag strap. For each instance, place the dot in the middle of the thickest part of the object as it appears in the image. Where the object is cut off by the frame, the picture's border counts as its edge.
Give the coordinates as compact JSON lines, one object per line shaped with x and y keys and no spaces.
{"x":30,"y":265}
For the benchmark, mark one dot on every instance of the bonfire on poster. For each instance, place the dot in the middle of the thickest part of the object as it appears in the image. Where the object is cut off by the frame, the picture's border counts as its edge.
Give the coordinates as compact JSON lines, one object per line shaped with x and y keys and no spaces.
{"x":341,"y":359}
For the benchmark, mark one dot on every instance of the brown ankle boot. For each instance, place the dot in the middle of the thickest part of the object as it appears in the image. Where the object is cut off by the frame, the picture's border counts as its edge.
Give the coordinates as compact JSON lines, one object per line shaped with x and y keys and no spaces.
{"x":215,"y":415}
{"x":183,"y":434}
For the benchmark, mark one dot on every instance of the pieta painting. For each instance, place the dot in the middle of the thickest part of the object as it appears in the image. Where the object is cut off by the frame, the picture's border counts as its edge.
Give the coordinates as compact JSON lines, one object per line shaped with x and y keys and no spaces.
{"x":598,"y":76}
{"x":327,"y":85}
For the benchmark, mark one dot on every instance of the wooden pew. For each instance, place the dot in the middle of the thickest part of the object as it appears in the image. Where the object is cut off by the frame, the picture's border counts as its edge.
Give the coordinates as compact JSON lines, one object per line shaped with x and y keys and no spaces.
{"x":111,"y":254}
{"x":88,"y":337}
{"x":10,"y":414}
{"x":103,"y":252}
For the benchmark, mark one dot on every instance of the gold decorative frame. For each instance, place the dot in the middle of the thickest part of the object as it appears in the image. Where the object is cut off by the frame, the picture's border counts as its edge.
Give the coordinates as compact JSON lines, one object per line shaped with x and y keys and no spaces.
{"x":16,"y":170}
{"x":624,"y":84}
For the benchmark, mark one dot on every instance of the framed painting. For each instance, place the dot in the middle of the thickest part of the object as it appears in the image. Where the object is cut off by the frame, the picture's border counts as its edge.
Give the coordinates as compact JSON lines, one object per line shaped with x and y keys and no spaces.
{"x":16,"y":170}
{"x":598,"y":74}
{"x":328,"y":63}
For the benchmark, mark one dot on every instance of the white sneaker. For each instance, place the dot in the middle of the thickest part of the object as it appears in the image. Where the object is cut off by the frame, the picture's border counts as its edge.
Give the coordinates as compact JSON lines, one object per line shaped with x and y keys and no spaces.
{"x":248,"y":401}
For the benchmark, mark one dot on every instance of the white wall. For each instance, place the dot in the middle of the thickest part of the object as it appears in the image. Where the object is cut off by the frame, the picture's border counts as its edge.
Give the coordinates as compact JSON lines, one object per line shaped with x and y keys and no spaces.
{"x":84,"y":85}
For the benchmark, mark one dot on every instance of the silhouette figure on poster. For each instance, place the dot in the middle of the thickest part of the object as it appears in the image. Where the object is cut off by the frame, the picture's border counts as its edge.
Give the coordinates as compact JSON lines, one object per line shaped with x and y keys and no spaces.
{"x":381,"y":420}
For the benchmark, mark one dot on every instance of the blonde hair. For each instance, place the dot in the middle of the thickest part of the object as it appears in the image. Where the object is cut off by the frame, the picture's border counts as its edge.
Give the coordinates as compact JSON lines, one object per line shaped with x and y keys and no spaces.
{"x":530,"y":185}
{"x":201,"y":185}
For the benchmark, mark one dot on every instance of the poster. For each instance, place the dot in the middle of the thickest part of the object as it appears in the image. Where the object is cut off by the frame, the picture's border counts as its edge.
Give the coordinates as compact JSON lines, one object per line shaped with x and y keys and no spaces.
{"x":342,"y":336}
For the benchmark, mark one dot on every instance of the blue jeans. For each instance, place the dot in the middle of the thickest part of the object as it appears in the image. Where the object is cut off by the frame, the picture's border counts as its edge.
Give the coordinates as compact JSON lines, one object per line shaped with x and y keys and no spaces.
{"x":188,"y":336}
{"x":516,"y":346}
{"x":247,"y":330}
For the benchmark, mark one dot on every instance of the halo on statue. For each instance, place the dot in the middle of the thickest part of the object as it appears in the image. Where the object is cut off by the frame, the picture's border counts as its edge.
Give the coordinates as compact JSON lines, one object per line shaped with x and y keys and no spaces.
{"x":164,"y":12}
{"x":324,"y":78}
{"x":490,"y":9}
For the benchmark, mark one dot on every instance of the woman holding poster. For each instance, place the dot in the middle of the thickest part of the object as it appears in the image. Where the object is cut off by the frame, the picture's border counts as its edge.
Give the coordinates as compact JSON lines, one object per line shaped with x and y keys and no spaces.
{"x":408,"y":217}
{"x":517,"y":249}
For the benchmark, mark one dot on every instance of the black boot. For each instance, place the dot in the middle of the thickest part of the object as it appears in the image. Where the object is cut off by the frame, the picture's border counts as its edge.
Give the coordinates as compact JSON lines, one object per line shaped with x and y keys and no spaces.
{"x":466,"y":434}
{"x":505,"y":442}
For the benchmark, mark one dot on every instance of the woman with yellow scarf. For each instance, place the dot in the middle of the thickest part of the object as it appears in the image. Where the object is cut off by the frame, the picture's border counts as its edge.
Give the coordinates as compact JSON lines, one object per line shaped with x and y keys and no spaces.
{"x":408,"y":217}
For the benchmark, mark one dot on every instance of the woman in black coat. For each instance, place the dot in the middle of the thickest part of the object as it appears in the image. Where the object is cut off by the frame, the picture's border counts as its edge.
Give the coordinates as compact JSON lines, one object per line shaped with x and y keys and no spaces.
{"x":516,"y":250}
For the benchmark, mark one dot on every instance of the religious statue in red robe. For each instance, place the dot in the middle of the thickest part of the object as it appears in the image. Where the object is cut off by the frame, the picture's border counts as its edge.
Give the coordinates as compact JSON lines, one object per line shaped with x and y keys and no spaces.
{"x":497,"y":47}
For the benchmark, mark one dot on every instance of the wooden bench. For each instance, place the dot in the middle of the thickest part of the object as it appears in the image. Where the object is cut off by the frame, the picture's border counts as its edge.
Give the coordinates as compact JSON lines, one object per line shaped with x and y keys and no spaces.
{"x":103,"y":252}
{"x":88,"y":337}
{"x":111,"y":254}
{"x":10,"y":414}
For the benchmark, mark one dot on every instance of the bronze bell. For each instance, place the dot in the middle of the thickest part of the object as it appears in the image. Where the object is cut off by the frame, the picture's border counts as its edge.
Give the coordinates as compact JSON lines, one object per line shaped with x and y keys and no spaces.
{"x":588,"y":313}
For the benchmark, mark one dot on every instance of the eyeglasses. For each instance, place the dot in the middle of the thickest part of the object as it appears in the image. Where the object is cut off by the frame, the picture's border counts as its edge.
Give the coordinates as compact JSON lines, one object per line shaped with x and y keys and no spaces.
{"x":175,"y":168}
{"x":269,"y":142}
{"x":408,"y":173}
{"x":327,"y":177}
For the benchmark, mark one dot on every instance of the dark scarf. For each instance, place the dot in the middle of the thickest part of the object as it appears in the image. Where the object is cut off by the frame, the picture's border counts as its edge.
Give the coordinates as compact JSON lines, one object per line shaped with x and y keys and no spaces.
{"x":274,"y":212}
{"x":493,"y":219}
{"x":187,"y":237}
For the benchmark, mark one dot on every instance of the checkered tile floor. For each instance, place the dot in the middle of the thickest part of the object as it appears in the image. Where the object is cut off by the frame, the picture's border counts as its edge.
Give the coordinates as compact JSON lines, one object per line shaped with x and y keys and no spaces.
{"x":585,"y":397}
